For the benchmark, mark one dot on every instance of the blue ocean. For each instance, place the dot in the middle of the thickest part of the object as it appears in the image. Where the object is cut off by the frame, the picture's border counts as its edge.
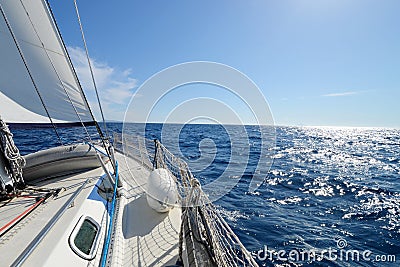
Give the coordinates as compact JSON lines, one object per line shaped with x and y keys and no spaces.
{"x":329,"y":196}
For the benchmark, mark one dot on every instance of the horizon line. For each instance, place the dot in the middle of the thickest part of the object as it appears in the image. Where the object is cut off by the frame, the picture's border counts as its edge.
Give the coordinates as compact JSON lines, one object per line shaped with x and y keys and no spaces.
{"x":275,"y":125}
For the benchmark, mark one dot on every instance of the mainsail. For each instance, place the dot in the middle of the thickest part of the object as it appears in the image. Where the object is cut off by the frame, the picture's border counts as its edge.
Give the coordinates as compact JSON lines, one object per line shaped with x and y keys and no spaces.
{"x":37,"y":80}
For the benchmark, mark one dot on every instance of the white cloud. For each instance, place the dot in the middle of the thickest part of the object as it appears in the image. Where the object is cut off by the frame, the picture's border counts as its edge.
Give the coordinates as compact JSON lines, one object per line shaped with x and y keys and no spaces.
{"x":341,"y":94}
{"x":115,"y":86}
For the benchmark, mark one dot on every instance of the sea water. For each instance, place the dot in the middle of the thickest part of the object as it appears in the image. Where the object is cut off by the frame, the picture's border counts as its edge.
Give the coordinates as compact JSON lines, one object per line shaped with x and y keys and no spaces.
{"x":331,"y":196}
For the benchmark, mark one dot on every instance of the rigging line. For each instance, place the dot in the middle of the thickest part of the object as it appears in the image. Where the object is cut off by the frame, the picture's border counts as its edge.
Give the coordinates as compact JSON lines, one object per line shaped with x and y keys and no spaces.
{"x":29,"y":72}
{"x":90,"y":67}
{"x":72,"y":68}
{"x":56,"y":72}
{"x":99,"y":131}
{"x":20,"y":216}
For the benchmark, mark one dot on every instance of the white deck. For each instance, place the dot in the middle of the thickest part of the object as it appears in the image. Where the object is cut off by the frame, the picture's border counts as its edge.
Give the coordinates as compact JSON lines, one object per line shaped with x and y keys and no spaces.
{"x":149,"y":238}
{"x":143,"y":237}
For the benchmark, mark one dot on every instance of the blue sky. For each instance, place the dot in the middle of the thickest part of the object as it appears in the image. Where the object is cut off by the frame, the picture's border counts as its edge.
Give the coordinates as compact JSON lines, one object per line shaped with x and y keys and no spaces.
{"x":331,"y":63}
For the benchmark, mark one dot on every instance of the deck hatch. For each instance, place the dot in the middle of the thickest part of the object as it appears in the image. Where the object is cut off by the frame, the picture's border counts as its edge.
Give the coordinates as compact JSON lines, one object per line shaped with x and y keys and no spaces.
{"x":84,"y":237}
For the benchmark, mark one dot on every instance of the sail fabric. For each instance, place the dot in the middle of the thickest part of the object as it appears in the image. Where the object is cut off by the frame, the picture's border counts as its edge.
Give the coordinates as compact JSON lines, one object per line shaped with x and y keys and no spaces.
{"x":42,"y":52}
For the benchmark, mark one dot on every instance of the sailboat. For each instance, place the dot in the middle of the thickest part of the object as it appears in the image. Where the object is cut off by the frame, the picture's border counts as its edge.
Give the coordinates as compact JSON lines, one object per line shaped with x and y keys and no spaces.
{"x":105,"y":200}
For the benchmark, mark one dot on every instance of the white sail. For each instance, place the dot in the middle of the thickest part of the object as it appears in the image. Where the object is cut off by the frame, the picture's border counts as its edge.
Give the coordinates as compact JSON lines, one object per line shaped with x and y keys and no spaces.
{"x":35,"y":68}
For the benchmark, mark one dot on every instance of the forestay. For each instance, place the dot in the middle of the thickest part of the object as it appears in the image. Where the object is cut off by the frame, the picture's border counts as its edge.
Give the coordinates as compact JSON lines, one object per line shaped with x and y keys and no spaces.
{"x":35,"y":71}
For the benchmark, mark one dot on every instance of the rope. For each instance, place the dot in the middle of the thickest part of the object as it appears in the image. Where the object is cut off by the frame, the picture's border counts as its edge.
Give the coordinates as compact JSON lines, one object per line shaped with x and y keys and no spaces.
{"x":11,"y":153}
{"x":19,"y":217}
{"x":90,"y":67}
